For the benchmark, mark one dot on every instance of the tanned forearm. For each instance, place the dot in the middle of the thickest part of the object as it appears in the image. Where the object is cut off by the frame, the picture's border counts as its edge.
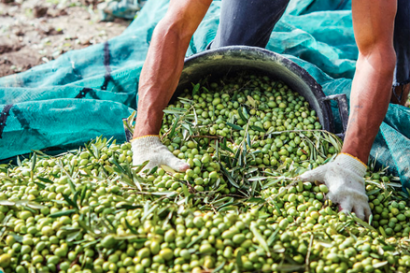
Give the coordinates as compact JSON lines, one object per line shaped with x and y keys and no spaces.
{"x":165,"y":59}
{"x":371,"y":91}
{"x":159,"y":79}
{"x":373,"y":23}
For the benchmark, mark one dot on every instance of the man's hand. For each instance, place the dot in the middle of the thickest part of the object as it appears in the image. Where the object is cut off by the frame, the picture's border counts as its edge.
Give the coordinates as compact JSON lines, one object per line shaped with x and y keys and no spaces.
{"x":345,"y":179}
{"x":150,"y":148}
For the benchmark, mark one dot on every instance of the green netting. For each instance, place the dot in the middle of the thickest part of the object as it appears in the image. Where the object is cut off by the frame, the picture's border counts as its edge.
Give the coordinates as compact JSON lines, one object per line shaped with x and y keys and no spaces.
{"x":86,"y":93}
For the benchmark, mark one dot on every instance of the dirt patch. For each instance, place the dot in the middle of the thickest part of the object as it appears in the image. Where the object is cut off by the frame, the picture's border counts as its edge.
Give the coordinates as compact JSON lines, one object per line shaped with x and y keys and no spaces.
{"x":33,"y":32}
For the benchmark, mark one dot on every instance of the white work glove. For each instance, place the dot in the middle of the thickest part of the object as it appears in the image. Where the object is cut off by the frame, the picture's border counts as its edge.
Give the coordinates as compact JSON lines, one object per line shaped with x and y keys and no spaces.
{"x":345,"y":179}
{"x":150,"y":148}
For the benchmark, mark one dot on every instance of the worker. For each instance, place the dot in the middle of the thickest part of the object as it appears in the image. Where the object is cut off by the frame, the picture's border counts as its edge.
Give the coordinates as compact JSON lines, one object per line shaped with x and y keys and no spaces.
{"x":380,"y":28}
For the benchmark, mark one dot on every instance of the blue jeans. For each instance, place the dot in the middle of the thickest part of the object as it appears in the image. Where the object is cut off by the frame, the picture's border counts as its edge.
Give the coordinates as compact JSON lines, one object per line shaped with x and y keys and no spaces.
{"x":402,"y":43}
{"x":251,"y":22}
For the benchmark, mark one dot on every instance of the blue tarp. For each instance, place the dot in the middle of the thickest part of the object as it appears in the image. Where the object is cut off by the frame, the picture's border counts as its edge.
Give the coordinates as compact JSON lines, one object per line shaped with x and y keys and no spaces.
{"x":86,"y":93}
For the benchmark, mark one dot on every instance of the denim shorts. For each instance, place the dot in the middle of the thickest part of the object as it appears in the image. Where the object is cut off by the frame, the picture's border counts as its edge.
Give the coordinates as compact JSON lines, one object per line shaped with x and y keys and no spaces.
{"x":251,"y":22}
{"x":402,"y":43}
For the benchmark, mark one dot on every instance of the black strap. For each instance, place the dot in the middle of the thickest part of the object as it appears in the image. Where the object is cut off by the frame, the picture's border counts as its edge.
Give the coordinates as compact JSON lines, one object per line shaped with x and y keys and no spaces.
{"x":397,"y":96}
{"x":107,"y":76}
{"x":86,"y":91}
{"x":3,"y":117}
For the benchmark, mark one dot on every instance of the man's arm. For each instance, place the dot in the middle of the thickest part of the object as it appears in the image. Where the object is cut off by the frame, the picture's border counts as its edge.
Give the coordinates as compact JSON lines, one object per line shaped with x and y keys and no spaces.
{"x":159,"y":79}
{"x":373,"y":23}
{"x":164,"y":62}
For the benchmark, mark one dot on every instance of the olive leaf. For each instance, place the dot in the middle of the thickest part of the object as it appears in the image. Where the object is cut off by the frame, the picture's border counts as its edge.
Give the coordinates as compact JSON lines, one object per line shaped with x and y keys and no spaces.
{"x":195,"y":241}
{"x":248,"y":139}
{"x":236,"y":127}
{"x":271,"y":183}
{"x":290,"y":267}
{"x":323,"y":243}
{"x":17,"y":237}
{"x":174,"y":126}
{"x":255,"y":200}
{"x":239,"y":263}
{"x":252,"y":101}
{"x":7,"y":203}
{"x":217,"y":148}
{"x":95,"y":150}
{"x":230,"y":178}
{"x":195,"y":89}
{"x":380,"y":264}
{"x":129,"y":237}
{"x":33,"y":161}
{"x":19,"y":162}
{"x":257,"y":128}
{"x":245,"y":113}
{"x":187,"y":127}
{"x":185,"y":190}
{"x":40,"y":185}
{"x":71,"y":236}
{"x":130,"y":120}
{"x":174,"y":111}
{"x":70,"y":179}
{"x":69,"y":201}
{"x":140,"y":167}
{"x":241,"y":115}
{"x":363,"y":223}
{"x":226,"y":205}
{"x":6,"y":219}
{"x":272,"y":237}
{"x":251,"y":170}
{"x":62,"y":213}
{"x":148,"y":212}
{"x":32,"y":204}
{"x":186,"y":101}
{"x":219,"y":267}
{"x":257,"y":178}
{"x":381,"y":229}
{"x":260,"y":239}
{"x":83,"y":193}
{"x":195,"y":117}
{"x":25,"y":203}
{"x":44,"y":155}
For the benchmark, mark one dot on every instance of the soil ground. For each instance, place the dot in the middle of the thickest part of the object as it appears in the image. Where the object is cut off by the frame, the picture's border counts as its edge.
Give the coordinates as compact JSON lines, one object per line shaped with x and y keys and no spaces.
{"x":33,"y":32}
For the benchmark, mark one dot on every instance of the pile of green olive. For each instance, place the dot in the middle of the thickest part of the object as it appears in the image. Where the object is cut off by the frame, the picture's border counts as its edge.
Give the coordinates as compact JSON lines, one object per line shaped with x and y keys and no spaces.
{"x":247,"y":104}
{"x":237,"y":209}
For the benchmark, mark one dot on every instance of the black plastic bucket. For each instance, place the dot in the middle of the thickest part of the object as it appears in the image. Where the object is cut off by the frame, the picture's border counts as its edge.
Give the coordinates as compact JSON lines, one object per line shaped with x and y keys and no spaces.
{"x":222,"y":61}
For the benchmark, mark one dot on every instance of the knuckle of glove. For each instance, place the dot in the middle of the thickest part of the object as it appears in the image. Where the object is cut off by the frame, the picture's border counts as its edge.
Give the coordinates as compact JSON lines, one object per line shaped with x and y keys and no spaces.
{"x":341,"y":191}
{"x":356,"y":196}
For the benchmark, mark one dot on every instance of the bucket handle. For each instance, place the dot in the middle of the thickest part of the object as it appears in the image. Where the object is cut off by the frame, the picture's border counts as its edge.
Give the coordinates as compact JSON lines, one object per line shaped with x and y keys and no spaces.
{"x":343,"y":110}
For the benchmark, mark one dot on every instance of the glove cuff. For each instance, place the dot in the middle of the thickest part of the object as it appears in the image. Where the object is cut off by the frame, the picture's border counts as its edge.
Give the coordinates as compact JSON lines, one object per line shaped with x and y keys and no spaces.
{"x":145,"y":141}
{"x":350,"y":162}
{"x":141,"y":137}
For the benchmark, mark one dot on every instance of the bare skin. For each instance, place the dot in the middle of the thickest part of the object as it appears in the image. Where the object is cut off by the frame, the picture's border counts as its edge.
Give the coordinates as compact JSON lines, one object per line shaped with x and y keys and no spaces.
{"x":371,"y":89}
{"x":165,"y":60}
{"x":373,"y":23}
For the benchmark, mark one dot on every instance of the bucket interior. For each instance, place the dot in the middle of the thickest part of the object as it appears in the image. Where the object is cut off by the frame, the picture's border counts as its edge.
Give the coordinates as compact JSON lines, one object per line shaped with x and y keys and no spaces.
{"x":224,"y":61}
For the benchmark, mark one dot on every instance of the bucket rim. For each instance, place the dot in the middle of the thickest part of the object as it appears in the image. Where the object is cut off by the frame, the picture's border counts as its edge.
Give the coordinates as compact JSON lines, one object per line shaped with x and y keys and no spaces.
{"x":262,"y":55}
